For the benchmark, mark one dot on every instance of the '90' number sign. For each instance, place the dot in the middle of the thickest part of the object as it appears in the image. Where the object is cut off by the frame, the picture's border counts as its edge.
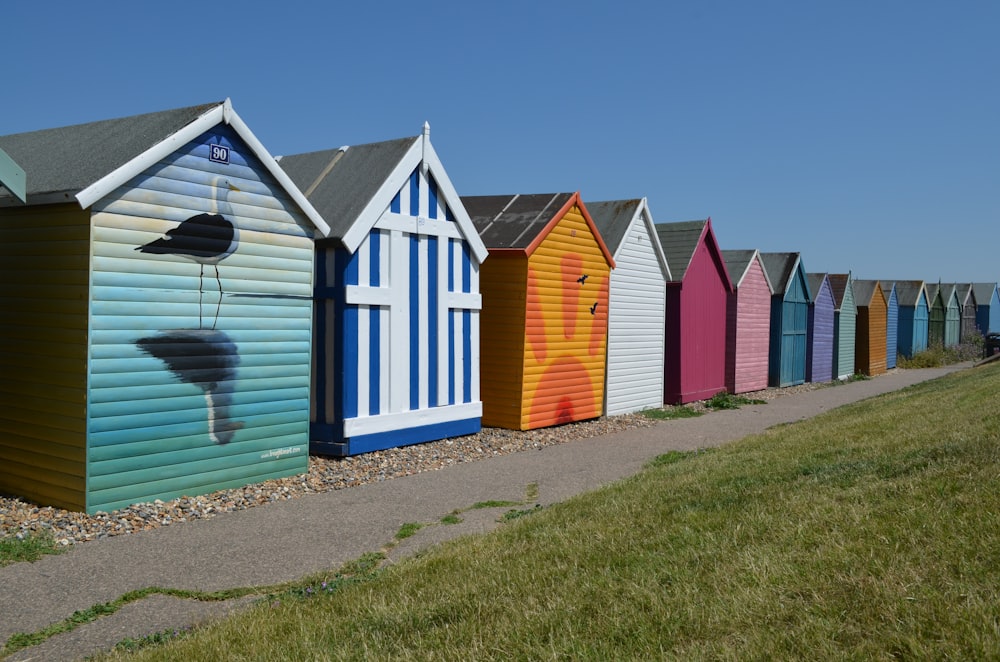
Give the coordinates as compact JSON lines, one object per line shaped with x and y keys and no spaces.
{"x":218,"y":154}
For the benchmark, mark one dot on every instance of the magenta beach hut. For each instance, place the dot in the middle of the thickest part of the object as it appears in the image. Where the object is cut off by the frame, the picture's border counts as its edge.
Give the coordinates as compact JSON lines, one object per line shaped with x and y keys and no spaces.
{"x":748,"y":322}
{"x":695,"y":359}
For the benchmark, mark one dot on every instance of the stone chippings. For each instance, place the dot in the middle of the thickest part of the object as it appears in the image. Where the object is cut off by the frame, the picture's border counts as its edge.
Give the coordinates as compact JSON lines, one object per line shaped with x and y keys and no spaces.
{"x":18,"y":517}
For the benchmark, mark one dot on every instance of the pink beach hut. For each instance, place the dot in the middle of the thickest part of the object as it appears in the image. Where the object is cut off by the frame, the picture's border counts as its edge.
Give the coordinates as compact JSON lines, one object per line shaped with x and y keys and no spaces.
{"x":748,"y":322}
{"x":695,"y":357}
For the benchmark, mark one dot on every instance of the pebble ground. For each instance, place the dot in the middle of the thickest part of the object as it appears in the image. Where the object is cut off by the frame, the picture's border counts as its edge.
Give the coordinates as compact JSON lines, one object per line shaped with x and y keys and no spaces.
{"x":18,"y":518}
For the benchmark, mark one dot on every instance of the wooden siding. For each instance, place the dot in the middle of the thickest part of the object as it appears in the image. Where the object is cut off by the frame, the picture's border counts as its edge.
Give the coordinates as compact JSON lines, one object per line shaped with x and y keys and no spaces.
{"x":199,"y":374}
{"x":566,"y":326}
{"x":44,"y":253}
{"x":695,"y":367}
{"x":635,"y":326}
{"x":819,"y":362}
{"x":988,"y":313}
{"x":748,"y":318}
{"x":789,"y":333}
{"x":952,"y":318}
{"x":912,"y":328}
{"x":397,"y":331}
{"x":935,"y":317}
{"x":504,"y":287}
{"x":891,"y":330}
{"x":845,"y":324}
{"x":870,"y":337}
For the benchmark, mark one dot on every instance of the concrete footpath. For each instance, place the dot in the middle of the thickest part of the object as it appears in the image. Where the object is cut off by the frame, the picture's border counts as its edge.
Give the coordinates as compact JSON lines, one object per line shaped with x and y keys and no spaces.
{"x":290,"y":539}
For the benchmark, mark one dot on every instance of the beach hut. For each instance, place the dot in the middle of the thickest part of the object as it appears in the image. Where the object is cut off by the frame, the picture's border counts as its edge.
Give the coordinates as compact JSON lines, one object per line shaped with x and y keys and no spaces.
{"x":789,"y":318}
{"x":891,"y":323}
{"x":845,"y":318}
{"x":158,"y":296}
{"x":545,"y":309}
{"x":952,"y":314}
{"x":913,"y":317}
{"x":967,"y":311}
{"x":396,"y":351}
{"x":636,"y":305}
{"x":819,"y":348}
{"x":935,"y":315}
{"x":748,"y":321}
{"x":869,"y":343}
{"x":987,"y":307}
{"x":695,"y":362}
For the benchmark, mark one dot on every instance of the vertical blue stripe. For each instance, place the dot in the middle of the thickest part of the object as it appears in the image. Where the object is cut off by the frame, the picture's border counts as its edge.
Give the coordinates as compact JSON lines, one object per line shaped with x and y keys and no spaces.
{"x":414,"y":194}
{"x":432,"y":197}
{"x":467,"y":353}
{"x":451,"y":357}
{"x":466,"y":269}
{"x":414,"y":323}
{"x":375,"y":328}
{"x":349,"y":381}
{"x":432,"y":321}
{"x":451,"y":265}
{"x":395,"y":206}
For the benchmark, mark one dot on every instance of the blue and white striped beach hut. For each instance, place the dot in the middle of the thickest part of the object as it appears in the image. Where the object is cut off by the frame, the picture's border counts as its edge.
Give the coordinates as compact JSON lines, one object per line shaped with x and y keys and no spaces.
{"x":396,"y":353}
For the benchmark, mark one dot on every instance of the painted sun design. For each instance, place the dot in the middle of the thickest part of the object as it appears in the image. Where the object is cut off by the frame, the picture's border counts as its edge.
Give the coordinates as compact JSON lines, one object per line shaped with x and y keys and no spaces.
{"x":567,"y":348}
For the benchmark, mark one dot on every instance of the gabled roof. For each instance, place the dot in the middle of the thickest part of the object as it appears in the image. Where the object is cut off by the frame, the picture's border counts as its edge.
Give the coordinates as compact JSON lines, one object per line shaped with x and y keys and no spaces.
{"x":839,"y":284}
{"x":780,"y":268}
{"x":87,"y":161}
{"x":963,"y":291}
{"x":521,"y":222}
{"x":864,"y":292}
{"x":613,"y":219}
{"x":680,"y":241}
{"x":352,"y":186}
{"x":949,"y":291}
{"x":984,"y":293}
{"x":908,"y":292}
{"x":738,"y":265}
{"x":815,"y":284}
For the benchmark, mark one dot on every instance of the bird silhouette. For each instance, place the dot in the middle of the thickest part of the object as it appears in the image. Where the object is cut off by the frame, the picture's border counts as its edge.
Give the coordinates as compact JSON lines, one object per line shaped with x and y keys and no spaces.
{"x":207,"y":359}
{"x":206,"y":238}
{"x":582,"y":279}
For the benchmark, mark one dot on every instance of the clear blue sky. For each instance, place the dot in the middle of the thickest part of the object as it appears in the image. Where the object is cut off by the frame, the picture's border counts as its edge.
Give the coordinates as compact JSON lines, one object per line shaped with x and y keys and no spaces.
{"x":863,"y":134}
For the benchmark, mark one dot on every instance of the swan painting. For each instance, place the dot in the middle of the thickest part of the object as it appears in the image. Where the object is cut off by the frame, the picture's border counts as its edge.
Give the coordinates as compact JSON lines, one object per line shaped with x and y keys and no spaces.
{"x":206,"y":238}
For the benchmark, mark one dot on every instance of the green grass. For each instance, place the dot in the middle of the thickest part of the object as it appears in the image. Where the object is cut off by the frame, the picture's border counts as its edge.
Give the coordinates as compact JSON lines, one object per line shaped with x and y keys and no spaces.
{"x":871,"y":532}
{"x":31,"y":547}
{"x":726,"y":400}
{"x":670,"y":413}
{"x":936,"y":355}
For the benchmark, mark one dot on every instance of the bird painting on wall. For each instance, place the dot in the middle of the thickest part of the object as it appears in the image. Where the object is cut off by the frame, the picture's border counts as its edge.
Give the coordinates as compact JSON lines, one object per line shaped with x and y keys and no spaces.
{"x":206,"y":238}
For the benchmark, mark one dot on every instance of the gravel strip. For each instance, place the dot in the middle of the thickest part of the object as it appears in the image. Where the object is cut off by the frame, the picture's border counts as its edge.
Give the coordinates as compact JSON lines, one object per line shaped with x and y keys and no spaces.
{"x":19,"y":517}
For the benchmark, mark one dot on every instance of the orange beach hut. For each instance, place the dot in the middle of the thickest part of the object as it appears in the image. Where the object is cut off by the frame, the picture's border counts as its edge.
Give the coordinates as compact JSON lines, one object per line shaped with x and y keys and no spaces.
{"x":545,"y":310}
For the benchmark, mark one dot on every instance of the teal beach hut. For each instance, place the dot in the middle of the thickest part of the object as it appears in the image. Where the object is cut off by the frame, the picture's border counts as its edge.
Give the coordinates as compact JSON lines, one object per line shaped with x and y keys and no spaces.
{"x":789,"y":318}
{"x":158,"y":291}
{"x":844,"y":324}
{"x":911,"y":329}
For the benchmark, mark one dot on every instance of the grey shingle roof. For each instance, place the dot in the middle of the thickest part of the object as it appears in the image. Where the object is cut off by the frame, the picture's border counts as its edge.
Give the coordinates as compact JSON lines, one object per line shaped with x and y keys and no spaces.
{"x":983,"y":292}
{"x":779,"y":268}
{"x":908,"y":292}
{"x":61,"y":162}
{"x":612,"y":218}
{"x":341,"y":182}
{"x":737,"y":262}
{"x":838,"y":285}
{"x":513,"y":221}
{"x":864,"y":290}
{"x":815,"y":283}
{"x":679,"y":241}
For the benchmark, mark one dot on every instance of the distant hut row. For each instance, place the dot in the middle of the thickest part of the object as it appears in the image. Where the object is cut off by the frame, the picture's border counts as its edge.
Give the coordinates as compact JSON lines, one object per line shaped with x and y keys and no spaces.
{"x":185,"y":312}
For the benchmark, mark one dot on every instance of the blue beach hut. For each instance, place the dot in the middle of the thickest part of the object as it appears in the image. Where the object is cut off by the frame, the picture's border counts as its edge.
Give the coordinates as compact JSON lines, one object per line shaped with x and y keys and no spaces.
{"x":891,"y":324}
{"x":911,"y":328}
{"x":789,"y":318}
{"x":158,"y":300}
{"x":396,"y":357}
{"x":987,"y":307}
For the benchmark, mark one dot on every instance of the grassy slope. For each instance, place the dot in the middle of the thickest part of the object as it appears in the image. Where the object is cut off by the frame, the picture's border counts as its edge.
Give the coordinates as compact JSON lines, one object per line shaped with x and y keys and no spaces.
{"x":872,"y":532}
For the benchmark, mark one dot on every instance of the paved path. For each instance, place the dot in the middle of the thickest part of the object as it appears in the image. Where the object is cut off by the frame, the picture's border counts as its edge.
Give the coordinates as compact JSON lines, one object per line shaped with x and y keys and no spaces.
{"x":286,"y":540}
